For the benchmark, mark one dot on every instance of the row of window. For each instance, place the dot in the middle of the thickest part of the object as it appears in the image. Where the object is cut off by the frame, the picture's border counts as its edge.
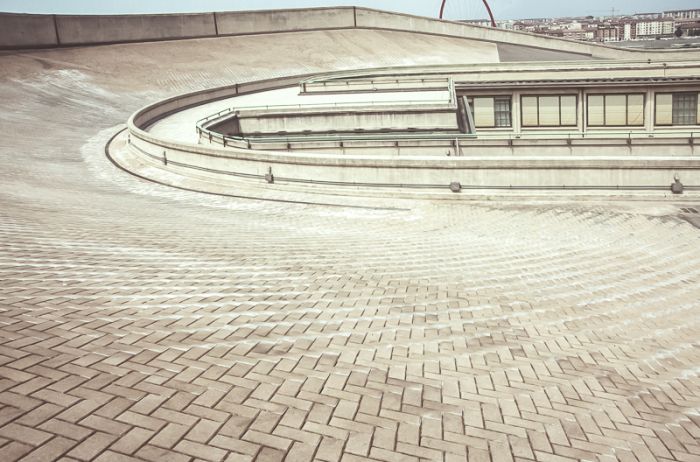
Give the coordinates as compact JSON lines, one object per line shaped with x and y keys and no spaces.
{"x":603,"y":110}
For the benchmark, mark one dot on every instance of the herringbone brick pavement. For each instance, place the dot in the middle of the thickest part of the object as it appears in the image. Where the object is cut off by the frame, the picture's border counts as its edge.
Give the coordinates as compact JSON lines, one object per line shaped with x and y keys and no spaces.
{"x":143,"y":323}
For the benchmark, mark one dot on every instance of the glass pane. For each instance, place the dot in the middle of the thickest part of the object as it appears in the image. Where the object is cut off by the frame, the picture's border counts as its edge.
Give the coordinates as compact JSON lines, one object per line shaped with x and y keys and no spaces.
{"x":502,"y":112}
{"x":568,"y":110}
{"x":529,"y":109}
{"x":615,"y":110}
{"x":549,"y":111}
{"x":635,"y":109}
{"x":470,"y":101}
{"x":483,"y":112}
{"x":663,"y":110}
{"x":685,"y":108}
{"x":595,"y":110}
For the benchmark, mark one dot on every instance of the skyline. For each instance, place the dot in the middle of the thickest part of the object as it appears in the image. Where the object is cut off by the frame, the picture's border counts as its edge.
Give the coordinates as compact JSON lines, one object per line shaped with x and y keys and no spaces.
{"x":468,"y":9}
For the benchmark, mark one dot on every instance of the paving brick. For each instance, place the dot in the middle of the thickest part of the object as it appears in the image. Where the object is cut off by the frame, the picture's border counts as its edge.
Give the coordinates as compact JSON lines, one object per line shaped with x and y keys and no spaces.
{"x":155,"y":454}
{"x":170,"y":435}
{"x":24,"y":434}
{"x":200,"y":451}
{"x":235,"y":445}
{"x":91,"y":447}
{"x":267,"y":440}
{"x":66,"y":429}
{"x":132,"y":441}
{"x":52,"y":450}
{"x":111,"y":456}
{"x":14,"y":451}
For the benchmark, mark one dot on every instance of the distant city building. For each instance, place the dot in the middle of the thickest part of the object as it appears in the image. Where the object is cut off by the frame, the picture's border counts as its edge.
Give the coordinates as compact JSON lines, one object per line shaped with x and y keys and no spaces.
{"x":654,"y":28}
{"x":608,"y":34}
{"x":683,"y":14}
{"x":689,"y":27}
{"x":639,"y":26}
{"x":477,"y":22}
{"x":579,"y":34}
{"x":646,"y":15}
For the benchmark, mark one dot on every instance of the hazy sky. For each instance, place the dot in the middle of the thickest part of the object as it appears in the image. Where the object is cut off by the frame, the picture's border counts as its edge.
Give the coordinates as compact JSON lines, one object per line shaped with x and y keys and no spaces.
{"x":503,"y":9}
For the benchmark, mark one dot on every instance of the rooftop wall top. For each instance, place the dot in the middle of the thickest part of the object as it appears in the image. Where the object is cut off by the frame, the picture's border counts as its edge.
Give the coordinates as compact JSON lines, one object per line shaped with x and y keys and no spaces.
{"x":23,"y":31}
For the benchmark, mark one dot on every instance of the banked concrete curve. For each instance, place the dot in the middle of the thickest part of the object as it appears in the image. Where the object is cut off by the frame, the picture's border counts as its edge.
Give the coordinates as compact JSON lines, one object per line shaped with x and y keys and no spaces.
{"x":22,"y":31}
{"x":142,"y":322}
{"x":222,"y":169}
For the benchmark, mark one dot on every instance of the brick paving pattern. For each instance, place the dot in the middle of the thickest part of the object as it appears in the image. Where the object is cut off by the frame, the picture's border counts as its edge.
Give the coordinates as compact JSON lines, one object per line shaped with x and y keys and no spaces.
{"x":143,"y":323}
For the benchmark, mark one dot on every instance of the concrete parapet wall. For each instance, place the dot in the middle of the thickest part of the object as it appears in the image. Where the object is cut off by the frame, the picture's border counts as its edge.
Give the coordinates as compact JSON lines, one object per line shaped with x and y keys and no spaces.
{"x":521,"y":164}
{"x":372,"y":85}
{"x":32,"y":31}
{"x":27,"y":31}
{"x":441,"y":148}
{"x":375,"y":19}
{"x":388,"y":119}
{"x":259,"y":22}
{"x":152,"y":113}
{"x":318,"y":170}
{"x":84,"y":30}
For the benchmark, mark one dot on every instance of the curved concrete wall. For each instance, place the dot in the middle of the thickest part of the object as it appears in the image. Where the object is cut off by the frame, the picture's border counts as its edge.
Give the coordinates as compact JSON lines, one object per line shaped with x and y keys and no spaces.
{"x":19,"y":31}
{"x":260,"y":22}
{"x":27,"y":30}
{"x":527,"y":171}
{"x":84,"y":30}
{"x":32,"y":31}
{"x":619,"y":172}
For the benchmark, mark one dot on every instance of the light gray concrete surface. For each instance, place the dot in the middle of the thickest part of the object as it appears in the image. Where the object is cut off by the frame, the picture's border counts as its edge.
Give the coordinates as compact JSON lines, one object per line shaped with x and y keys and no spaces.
{"x":256,"y":22}
{"x":27,"y":30}
{"x":82,"y":30}
{"x":142,"y":322}
{"x":89,"y":30}
{"x":538,"y":160}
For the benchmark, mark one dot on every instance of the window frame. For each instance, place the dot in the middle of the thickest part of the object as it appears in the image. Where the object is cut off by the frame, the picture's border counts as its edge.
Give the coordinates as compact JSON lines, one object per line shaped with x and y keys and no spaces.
{"x":656,"y":95}
{"x":627,"y":109}
{"x":544,"y":95}
{"x":509,"y":97}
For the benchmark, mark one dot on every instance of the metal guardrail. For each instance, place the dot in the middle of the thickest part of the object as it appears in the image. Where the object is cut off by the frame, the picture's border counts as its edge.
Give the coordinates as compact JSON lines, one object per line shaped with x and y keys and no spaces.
{"x":343,"y":138}
{"x":376,"y":84}
{"x":600,"y":134}
{"x":511,"y":137}
{"x":539,"y":66}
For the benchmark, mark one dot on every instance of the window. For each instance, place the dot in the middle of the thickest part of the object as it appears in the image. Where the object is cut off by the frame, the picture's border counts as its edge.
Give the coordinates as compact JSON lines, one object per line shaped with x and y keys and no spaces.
{"x":502,"y":111}
{"x":677,"y":109}
{"x":616,"y":110}
{"x":685,"y":109}
{"x":491,"y":111}
{"x":549,"y":111}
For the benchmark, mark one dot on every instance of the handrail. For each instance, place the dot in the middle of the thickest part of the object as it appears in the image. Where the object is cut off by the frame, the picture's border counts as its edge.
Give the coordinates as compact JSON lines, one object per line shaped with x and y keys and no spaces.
{"x":499,"y":66}
{"x":537,"y":135}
